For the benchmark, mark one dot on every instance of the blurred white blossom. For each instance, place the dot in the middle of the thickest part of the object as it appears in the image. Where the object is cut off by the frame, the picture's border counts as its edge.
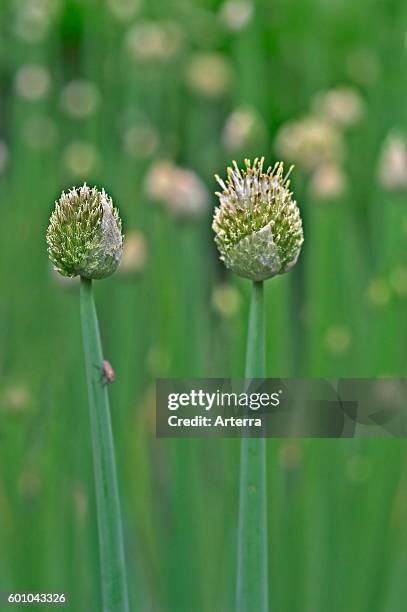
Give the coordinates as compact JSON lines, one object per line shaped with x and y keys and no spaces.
{"x":309,"y":142}
{"x":32,"y":19}
{"x":393,"y":162}
{"x":328,"y":181}
{"x":140,"y":140}
{"x":236,"y":14}
{"x":226,"y":300}
{"x":32,"y":82}
{"x":80,"y":158}
{"x":15,"y":398}
{"x":180,"y":189}
{"x":342,"y":105}
{"x":159,"y":179}
{"x":243,"y":129}
{"x":149,"y":41}
{"x":209,"y":74}
{"x":80,"y":98}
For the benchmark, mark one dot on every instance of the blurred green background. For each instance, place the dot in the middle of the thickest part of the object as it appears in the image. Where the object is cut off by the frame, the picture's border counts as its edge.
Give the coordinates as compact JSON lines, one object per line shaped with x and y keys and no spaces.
{"x":149,"y":99}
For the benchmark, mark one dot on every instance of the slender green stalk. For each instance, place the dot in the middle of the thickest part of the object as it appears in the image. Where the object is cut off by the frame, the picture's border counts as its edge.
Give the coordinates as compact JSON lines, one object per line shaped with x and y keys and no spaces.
{"x":256,"y":347}
{"x":252,"y":579}
{"x":113,"y":569}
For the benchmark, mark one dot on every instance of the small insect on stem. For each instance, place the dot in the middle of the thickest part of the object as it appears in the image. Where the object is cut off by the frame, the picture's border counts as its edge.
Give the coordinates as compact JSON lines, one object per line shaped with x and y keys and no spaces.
{"x":108,"y":375}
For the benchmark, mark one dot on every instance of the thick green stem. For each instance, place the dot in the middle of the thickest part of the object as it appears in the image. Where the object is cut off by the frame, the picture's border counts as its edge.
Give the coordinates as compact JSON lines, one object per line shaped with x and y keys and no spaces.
{"x":252,"y":579}
{"x":113,"y":570}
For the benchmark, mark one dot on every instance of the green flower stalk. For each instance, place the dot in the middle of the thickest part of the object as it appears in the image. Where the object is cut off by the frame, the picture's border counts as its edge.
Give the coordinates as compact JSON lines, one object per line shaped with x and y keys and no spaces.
{"x":258,"y":231}
{"x":84,"y":238}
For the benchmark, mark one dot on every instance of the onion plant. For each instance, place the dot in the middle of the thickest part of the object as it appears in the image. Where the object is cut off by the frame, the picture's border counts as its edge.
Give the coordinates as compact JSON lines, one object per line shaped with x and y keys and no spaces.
{"x":258,"y":231}
{"x":84,"y":238}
